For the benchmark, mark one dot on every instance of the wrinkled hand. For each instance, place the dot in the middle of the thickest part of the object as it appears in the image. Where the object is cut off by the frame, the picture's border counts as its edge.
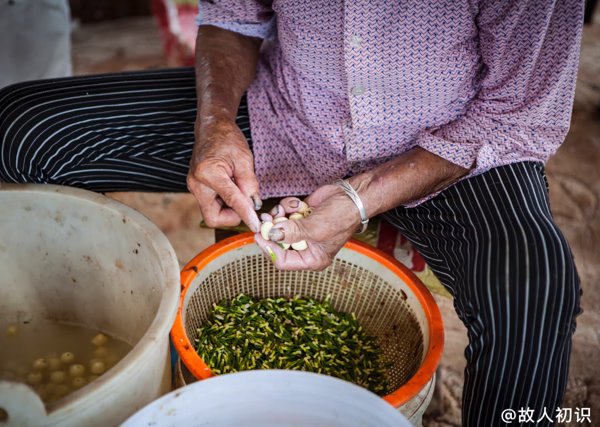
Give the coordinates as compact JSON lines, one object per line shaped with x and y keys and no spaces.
{"x":221,"y":176}
{"x":330,"y":225}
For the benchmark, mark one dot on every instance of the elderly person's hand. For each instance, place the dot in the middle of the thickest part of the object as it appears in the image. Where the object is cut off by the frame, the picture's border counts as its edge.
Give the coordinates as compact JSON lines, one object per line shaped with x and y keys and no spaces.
{"x":222,"y":176}
{"x":330,"y":225}
{"x":335,"y":218}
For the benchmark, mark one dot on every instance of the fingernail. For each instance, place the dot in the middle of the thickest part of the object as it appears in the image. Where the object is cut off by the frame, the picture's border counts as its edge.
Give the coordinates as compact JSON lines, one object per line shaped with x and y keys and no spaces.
{"x":274,"y":211}
{"x":294,"y":203}
{"x":276,"y":234}
{"x":257,"y":202}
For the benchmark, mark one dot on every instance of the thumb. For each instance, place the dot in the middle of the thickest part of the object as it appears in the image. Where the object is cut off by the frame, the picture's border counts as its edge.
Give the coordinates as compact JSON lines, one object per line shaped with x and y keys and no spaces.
{"x":321,"y":194}
{"x":291,"y":231}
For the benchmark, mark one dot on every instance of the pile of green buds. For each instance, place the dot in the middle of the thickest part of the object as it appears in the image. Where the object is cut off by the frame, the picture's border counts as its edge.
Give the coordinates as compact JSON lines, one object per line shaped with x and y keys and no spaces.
{"x":300,"y":334}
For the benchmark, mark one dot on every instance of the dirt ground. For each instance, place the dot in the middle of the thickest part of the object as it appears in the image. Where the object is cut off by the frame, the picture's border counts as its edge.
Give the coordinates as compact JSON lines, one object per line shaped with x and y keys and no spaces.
{"x":574,"y":177}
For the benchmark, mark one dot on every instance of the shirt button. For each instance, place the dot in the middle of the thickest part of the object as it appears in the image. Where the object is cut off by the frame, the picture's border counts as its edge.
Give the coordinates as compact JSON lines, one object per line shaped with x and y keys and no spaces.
{"x":358,"y":90}
{"x":355,"y":41}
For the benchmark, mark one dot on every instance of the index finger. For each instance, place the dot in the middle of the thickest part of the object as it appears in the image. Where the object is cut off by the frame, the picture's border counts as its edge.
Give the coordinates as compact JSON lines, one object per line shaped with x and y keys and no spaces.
{"x":214,"y":212}
{"x":235,"y":199}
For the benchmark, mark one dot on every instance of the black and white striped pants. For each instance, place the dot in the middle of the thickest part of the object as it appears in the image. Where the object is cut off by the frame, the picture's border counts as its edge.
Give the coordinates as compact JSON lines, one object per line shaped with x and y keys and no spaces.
{"x":490,"y":239}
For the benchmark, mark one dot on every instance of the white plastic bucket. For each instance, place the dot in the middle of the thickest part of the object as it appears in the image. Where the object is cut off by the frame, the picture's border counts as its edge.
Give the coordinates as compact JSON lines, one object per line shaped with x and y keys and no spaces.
{"x":413,"y":410}
{"x":76,"y":256}
{"x":270,"y":398}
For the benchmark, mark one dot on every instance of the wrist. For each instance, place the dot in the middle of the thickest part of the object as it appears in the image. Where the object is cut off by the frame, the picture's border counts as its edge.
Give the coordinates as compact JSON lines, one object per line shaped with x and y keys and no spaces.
{"x":361,"y":221}
{"x":214,"y":117}
{"x":364,"y":186}
{"x":210,"y":124}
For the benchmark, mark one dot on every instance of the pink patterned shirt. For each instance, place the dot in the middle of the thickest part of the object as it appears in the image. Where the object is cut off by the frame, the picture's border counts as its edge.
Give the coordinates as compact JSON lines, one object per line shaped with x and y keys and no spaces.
{"x":343,"y":86}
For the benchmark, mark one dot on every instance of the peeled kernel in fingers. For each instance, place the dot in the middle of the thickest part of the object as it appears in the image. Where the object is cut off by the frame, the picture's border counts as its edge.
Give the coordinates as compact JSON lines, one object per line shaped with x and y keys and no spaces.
{"x":78,"y":382}
{"x":67,"y":357}
{"x":303,"y":207}
{"x":280,"y":219}
{"x":100,"y":352}
{"x":58,"y":377}
{"x":12,"y":330}
{"x":76,"y":370}
{"x":97,"y":367}
{"x":34,"y":378}
{"x":264,"y":229}
{"x":54,"y":363}
{"x":99,"y":340}
{"x":40,"y":364}
{"x":296,"y":216}
{"x":285,"y":245}
{"x":266,"y":217}
{"x":300,"y":246}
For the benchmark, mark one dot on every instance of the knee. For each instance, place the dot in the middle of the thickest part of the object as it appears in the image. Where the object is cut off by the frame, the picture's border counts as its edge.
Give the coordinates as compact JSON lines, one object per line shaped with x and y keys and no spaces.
{"x":553,"y":275}
{"x":534,"y":284}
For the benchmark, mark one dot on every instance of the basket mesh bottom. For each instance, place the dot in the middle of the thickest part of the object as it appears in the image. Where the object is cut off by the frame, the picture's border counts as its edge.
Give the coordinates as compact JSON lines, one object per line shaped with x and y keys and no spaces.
{"x":381,"y":309}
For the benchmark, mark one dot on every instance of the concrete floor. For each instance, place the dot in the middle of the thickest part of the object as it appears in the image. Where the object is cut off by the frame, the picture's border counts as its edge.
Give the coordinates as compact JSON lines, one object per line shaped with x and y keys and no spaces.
{"x":573,"y":174}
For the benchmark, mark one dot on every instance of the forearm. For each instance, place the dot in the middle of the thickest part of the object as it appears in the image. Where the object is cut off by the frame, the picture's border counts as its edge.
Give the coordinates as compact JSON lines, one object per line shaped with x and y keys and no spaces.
{"x":225,"y":67}
{"x":411,"y":176}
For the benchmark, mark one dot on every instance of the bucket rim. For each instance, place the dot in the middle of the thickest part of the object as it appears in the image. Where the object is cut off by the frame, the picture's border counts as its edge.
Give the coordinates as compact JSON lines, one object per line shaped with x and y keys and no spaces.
{"x":267,"y":388}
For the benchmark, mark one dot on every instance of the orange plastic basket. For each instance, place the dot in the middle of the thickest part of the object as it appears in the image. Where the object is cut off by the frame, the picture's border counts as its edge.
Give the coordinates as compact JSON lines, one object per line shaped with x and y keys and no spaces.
{"x":389,"y":301}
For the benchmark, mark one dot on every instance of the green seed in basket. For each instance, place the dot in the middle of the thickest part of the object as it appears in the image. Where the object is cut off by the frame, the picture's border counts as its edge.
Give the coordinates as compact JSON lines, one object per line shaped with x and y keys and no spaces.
{"x":301,"y":334}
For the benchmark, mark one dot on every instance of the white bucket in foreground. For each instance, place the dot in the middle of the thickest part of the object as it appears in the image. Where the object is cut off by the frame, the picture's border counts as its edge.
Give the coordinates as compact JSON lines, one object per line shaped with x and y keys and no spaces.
{"x":413,"y":410}
{"x":270,"y":398}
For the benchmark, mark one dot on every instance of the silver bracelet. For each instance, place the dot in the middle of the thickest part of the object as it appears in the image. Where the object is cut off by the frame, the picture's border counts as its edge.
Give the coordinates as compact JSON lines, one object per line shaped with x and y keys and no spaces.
{"x":345,"y":185}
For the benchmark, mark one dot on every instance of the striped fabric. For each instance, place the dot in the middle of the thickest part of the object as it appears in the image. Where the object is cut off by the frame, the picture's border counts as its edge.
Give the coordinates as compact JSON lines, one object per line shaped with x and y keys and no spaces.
{"x":490,"y":239}
{"x":492,"y":242}
{"x":112,"y":132}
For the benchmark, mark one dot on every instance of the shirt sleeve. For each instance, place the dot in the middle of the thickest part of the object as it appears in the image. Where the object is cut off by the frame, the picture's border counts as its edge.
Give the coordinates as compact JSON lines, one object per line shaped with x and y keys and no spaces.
{"x":530,"y":52}
{"x":254,"y":18}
